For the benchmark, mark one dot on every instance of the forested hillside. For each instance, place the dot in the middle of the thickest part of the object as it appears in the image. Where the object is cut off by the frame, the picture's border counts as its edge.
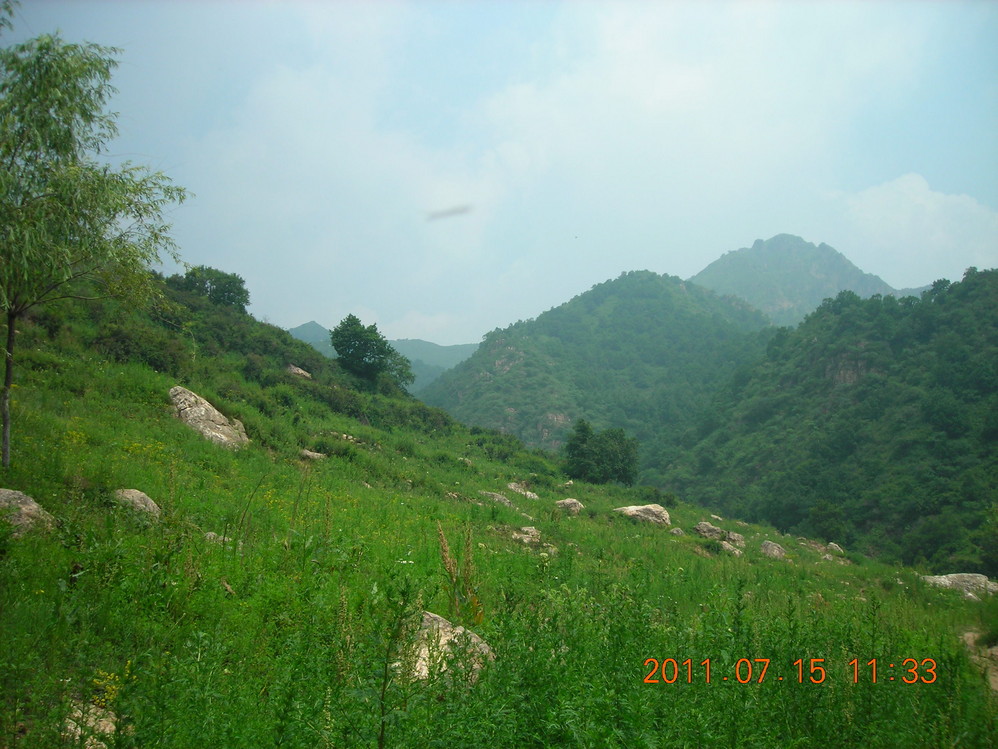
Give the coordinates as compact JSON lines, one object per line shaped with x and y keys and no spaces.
{"x":642,"y":352}
{"x":875,"y":423}
{"x":787,"y":277}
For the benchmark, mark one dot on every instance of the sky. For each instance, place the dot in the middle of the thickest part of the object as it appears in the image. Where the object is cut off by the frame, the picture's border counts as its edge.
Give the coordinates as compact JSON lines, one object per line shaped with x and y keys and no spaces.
{"x":445,"y":168}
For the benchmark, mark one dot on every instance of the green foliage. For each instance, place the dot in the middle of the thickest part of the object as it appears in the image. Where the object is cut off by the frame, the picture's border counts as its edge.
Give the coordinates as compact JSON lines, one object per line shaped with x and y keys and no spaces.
{"x":870,"y":424}
{"x":364,"y":352}
{"x":70,"y":226}
{"x":600,"y":458}
{"x":219,"y":287}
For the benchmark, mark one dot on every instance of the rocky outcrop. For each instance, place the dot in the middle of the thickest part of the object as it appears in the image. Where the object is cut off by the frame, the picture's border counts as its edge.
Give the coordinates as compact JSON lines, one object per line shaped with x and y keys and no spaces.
{"x":733,"y":550}
{"x":201,"y":416}
{"x":967,"y":582}
{"x":439,"y":643}
{"x":309,"y":455}
{"x":496,"y":497}
{"x":650,"y":513}
{"x":735,"y":538}
{"x":138,"y":501}
{"x":570,"y":506}
{"x":709,"y":530}
{"x":299,"y":372}
{"x":773,"y":550}
{"x":836,"y":548}
{"x":23,"y":512}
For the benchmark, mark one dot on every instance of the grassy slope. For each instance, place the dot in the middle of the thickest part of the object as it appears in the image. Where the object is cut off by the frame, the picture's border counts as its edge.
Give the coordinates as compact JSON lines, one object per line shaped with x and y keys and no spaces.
{"x":286,"y":639}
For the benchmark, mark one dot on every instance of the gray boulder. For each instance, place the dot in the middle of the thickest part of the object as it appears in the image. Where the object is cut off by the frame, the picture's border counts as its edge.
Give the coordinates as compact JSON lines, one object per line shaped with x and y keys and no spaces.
{"x":439,"y":642}
{"x":709,"y":530}
{"x":204,"y":418}
{"x":966,"y":582}
{"x":650,"y":513}
{"x":138,"y":501}
{"x":23,"y":512}
{"x":570,"y":506}
{"x":773,"y":550}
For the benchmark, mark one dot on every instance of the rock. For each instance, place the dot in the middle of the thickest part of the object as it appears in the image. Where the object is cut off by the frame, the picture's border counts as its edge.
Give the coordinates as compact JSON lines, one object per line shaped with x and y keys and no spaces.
{"x":741,"y":523}
{"x":299,"y":372}
{"x":527,"y":535}
{"x":772,"y":549}
{"x":731,"y":549}
{"x":439,"y":642}
{"x":23,"y":512}
{"x":221,"y":540}
{"x":496,"y":497}
{"x":827,"y":558}
{"x":570,"y":506}
{"x":836,"y":548}
{"x":736,"y":538}
{"x":521,"y":489}
{"x":709,"y":530}
{"x":652,"y":513}
{"x":677,"y":532}
{"x":309,"y":455}
{"x":89,"y":724}
{"x":964,"y":581}
{"x":138,"y":501}
{"x":718,"y":518}
{"x":201,"y":416}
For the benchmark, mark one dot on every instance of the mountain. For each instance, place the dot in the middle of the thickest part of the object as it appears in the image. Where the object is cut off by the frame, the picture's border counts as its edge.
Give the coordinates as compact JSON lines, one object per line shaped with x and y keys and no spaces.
{"x":787,"y":277}
{"x":642,"y":352}
{"x":429,"y":360}
{"x":874,"y":422}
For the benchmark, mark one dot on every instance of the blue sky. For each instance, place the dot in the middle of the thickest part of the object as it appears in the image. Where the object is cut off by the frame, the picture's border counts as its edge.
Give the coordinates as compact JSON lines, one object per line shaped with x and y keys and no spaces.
{"x":589,"y":139}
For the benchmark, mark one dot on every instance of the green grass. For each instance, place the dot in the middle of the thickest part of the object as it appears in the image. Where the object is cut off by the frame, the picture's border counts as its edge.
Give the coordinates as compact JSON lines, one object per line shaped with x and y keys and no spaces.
{"x":286,"y":635}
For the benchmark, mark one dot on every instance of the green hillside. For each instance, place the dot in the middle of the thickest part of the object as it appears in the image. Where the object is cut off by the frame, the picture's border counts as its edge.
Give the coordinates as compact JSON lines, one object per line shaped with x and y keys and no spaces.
{"x":875,"y":422}
{"x":787,"y":277}
{"x":643,"y":352}
{"x":295,"y":625}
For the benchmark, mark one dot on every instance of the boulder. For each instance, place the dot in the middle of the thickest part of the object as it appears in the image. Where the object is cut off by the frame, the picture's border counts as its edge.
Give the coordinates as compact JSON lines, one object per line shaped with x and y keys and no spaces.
{"x":677,"y":532}
{"x":733,"y":550}
{"x":736,"y":538}
{"x":496,"y":497}
{"x":439,"y":642}
{"x":966,"y":582}
{"x":651,"y":513}
{"x":309,"y":455}
{"x":836,"y":548}
{"x":138,"y":501}
{"x":521,"y":489}
{"x":709,"y":530}
{"x":201,"y":416}
{"x":299,"y":372}
{"x":23,"y":512}
{"x":527,"y":535}
{"x":570,"y":506}
{"x":772,"y":549}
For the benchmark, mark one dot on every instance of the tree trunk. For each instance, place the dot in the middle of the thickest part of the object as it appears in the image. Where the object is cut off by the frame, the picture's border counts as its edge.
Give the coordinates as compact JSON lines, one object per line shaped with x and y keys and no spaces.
{"x":8,"y":381}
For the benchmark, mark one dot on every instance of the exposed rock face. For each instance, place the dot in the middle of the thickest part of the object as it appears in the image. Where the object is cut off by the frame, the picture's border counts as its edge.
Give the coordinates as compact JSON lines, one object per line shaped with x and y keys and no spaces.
{"x":651,"y":513}
{"x":23,"y":512}
{"x":496,"y":497}
{"x":527,"y":535}
{"x":138,"y":501}
{"x":773,"y":549}
{"x":570,"y":506}
{"x":299,"y":372}
{"x":200,"y":415}
{"x":964,"y":581}
{"x":709,"y":530}
{"x":439,"y":642}
{"x":736,"y":538}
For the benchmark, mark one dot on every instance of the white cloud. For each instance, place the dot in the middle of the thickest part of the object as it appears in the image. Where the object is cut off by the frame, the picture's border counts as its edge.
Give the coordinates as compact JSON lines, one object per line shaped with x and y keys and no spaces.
{"x":911,"y":235}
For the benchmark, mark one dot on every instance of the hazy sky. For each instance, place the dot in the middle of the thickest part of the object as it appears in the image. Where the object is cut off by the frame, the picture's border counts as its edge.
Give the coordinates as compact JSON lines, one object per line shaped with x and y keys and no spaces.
{"x":327,"y":142}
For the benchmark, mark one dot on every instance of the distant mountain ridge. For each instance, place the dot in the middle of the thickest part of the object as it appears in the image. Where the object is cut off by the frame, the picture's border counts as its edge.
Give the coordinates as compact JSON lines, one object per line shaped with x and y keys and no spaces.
{"x":429,"y":360}
{"x":787,"y":277}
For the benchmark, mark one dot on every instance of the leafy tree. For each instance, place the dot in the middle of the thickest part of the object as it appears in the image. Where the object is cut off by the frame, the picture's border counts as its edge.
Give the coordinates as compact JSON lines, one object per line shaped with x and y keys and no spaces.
{"x":364,"y":352}
{"x":70,"y":226}
{"x":601,"y":458}
{"x":226,"y":289}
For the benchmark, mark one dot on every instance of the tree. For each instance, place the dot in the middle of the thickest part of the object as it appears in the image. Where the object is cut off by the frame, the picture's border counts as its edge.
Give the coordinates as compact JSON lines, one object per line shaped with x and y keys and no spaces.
{"x":71,"y":227}
{"x":601,"y":457}
{"x":363,"y":351}
{"x":225,"y":289}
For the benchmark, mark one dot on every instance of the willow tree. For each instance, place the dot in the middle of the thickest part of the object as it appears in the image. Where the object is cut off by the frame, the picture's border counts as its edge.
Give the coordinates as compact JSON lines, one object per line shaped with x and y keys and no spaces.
{"x":72,"y":226}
